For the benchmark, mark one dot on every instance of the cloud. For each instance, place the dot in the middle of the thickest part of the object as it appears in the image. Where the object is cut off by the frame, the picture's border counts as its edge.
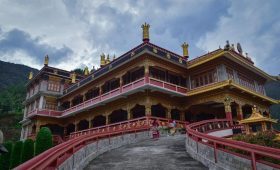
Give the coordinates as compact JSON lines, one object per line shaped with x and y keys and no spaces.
{"x":255,"y":25}
{"x":16,"y":45}
{"x":82,"y":30}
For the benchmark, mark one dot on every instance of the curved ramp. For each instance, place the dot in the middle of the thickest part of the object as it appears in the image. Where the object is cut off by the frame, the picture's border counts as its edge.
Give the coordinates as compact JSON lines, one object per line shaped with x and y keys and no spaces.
{"x":166,"y":153}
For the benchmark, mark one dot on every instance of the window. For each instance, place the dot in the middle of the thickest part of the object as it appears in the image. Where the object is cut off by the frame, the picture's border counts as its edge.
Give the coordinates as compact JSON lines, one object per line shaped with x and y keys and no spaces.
{"x":230,"y":74}
{"x":204,"y":78}
{"x":53,"y":86}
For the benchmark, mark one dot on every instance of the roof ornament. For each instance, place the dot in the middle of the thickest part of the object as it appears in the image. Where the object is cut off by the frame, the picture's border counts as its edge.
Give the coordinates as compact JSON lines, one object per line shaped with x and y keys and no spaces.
{"x":73,"y":77}
{"x":107,"y":60}
{"x":114,"y":57}
{"x":30,"y":75}
{"x":232,"y":47}
{"x":145,"y":28}
{"x":46,"y":62}
{"x":239,"y":48}
{"x":102,"y":60}
{"x":227,"y":46}
{"x":185,"y":47}
{"x":86,"y":72}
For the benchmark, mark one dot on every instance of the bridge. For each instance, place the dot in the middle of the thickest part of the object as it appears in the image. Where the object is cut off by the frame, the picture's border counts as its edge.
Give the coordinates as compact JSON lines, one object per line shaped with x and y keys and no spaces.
{"x":204,"y":142}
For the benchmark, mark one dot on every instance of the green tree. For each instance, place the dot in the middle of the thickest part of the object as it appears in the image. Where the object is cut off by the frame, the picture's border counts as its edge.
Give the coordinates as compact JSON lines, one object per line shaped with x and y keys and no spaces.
{"x":5,"y":158}
{"x":43,"y":140}
{"x":16,"y":154}
{"x":27,"y":150}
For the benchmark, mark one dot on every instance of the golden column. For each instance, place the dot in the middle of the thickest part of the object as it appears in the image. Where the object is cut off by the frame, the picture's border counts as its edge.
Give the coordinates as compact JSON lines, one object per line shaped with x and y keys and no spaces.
{"x":46,"y":62}
{"x":145,"y":28}
{"x":30,"y":75}
{"x":102,"y":60}
{"x":86,"y":72}
{"x":185,"y":47}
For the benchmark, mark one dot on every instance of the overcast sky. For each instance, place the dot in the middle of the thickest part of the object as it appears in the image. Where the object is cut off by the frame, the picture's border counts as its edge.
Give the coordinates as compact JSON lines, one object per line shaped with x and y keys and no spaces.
{"x":75,"y":33}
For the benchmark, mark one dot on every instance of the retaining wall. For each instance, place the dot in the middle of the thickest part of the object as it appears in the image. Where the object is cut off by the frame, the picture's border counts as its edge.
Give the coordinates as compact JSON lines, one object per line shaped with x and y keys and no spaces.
{"x":82,"y":157}
{"x":225,"y":161}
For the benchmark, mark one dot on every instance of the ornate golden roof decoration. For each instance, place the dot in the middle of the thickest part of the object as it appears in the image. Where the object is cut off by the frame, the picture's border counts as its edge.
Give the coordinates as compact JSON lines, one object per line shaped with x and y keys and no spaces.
{"x":185,"y":47}
{"x":73,"y":77}
{"x":145,"y":28}
{"x":108,"y":59}
{"x":257,"y":117}
{"x":102,"y":60}
{"x":86,"y":72}
{"x":30,"y":75}
{"x":46,"y":62}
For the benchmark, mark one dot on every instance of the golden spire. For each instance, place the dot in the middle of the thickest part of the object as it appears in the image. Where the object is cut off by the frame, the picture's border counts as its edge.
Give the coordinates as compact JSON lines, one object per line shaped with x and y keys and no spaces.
{"x":30,"y":75}
{"x":102,"y":60}
{"x":108,"y":59}
{"x":46,"y":62}
{"x":145,"y":28}
{"x":86,"y":72}
{"x":73,"y":77}
{"x":185,"y":47}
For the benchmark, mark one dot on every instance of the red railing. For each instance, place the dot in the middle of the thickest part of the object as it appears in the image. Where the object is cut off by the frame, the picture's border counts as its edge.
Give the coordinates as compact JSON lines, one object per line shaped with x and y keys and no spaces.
{"x":113,"y":93}
{"x":127,"y":124}
{"x":197,"y":131}
{"x":55,"y":156}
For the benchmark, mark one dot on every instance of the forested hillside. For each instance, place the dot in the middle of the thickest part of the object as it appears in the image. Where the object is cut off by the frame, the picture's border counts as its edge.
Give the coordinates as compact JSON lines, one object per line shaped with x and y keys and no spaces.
{"x":12,"y":93}
{"x":273,"y":90}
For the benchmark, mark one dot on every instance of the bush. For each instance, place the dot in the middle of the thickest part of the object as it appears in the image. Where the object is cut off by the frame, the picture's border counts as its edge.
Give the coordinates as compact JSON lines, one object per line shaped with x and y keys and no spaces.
{"x":27,"y":150}
{"x":5,"y":158}
{"x":16,"y":154}
{"x":43,"y":140}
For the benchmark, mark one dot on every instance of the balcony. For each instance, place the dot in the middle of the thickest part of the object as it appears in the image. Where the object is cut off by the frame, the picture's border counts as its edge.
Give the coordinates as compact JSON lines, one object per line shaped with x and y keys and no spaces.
{"x":136,"y":86}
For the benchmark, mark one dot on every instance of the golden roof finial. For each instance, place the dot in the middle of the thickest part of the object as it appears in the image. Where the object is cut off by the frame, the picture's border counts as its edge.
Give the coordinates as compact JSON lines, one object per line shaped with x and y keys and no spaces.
{"x":30,"y":75}
{"x":145,"y":28}
{"x":185,"y":47}
{"x":46,"y":62}
{"x":86,"y":72}
{"x":108,"y":59}
{"x":73,"y":77}
{"x":102,"y":60}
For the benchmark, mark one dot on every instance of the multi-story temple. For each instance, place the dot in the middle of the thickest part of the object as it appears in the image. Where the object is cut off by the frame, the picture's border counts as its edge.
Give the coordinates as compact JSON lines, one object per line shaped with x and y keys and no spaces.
{"x":146,"y":80}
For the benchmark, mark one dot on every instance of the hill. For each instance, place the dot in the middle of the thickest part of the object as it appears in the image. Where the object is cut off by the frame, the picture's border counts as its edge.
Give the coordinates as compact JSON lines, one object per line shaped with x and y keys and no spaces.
{"x":273,"y":90}
{"x":12,"y":93}
{"x":12,"y":74}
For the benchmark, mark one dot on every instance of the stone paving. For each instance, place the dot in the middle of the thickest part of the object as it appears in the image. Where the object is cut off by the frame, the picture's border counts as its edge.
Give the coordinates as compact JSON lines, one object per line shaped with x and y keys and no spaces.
{"x":167,"y":153}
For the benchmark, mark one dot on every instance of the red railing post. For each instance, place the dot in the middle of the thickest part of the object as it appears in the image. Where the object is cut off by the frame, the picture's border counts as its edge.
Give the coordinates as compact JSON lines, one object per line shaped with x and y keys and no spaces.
{"x":215,"y":152}
{"x":253,"y":157}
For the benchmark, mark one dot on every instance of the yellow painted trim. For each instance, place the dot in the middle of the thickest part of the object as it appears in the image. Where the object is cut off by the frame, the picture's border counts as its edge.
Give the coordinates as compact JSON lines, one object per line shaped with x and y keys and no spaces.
{"x":209,"y":87}
{"x":205,"y":60}
{"x":254,"y":93}
{"x":225,"y":83}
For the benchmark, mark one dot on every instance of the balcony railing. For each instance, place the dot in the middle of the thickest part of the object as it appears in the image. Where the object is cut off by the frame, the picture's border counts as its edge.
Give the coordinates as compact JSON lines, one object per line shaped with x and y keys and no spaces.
{"x":198,"y":132}
{"x":145,"y":81}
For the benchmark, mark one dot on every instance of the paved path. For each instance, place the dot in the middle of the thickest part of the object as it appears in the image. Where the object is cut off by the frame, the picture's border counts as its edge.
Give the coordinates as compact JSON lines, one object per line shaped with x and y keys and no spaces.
{"x":167,"y":153}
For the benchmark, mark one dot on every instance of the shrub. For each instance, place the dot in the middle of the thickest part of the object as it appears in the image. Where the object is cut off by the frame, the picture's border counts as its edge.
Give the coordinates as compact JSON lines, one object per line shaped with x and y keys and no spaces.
{"x":27,"y":150}
{"x":16,"y":154}
{"x":5,"y":158}
{"x":43,"y":140}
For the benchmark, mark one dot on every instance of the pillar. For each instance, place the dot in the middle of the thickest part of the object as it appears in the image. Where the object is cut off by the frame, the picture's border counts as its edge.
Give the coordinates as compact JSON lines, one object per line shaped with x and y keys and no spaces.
{"x":41,"y":101}
{"x":121,"y":83}
{"x":148,"y":110}
{"x":76,"y":126}
{"x":228,"y":110}
{"x":182,"y":115}
{"x":107,"y":119}
{"x":239,"y":112}
{"x":168,"y":113}
{"x":89,"y":123}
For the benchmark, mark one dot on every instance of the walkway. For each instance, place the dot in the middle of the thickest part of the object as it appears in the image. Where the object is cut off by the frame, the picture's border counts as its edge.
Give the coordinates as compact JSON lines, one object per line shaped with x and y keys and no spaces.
{"x":167,"y":153}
